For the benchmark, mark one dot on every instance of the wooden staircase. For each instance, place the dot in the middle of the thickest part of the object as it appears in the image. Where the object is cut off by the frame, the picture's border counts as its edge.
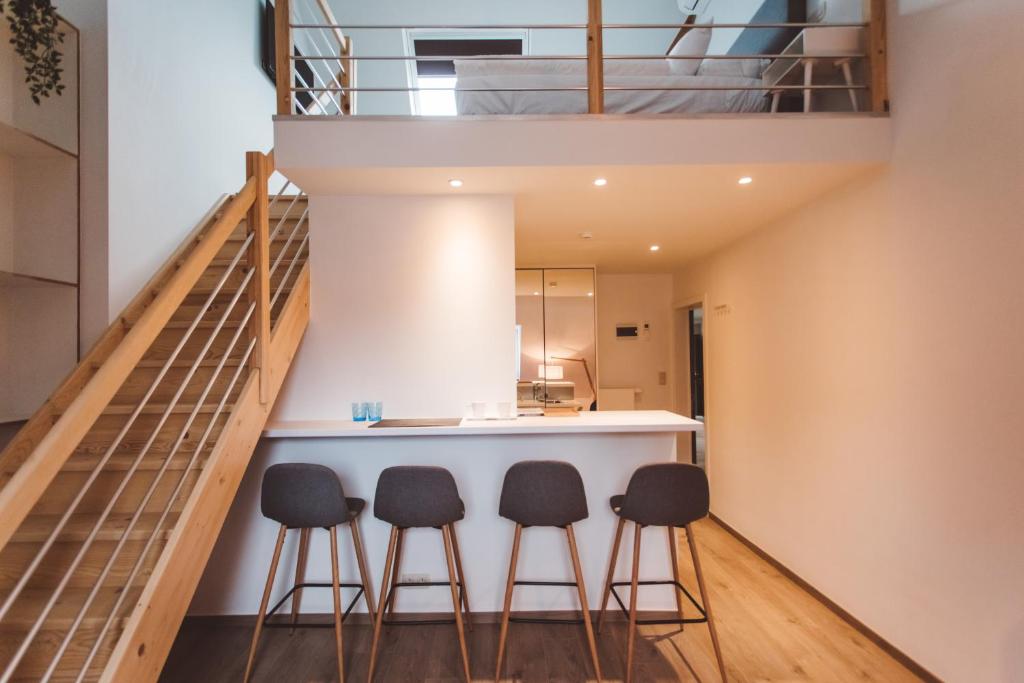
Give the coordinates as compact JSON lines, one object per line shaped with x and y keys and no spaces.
{"x":112,"y":495}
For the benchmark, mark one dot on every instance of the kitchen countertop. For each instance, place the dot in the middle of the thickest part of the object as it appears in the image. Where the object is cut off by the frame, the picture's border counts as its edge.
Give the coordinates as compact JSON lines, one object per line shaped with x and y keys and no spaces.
{"x":597,"y":422}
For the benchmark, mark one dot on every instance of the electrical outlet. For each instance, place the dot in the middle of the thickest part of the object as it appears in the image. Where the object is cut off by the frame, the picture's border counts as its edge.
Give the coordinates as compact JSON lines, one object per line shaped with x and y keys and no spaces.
{"x":414,"y":578}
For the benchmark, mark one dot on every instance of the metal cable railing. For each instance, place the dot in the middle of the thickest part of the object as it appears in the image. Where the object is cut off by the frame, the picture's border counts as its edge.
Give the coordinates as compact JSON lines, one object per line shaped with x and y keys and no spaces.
{"x":167,"y":411}
{"x":281,"y":286}
{"x":322,"y":51}
{"x":157,"y":479}
{"x":142,"y":497}
{"x":778,"y":72}
{"x":112,"y":615}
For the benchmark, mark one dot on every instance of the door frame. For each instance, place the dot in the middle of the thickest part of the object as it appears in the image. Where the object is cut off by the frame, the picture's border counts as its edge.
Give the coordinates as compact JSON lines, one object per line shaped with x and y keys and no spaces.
{"x":680,"y":306}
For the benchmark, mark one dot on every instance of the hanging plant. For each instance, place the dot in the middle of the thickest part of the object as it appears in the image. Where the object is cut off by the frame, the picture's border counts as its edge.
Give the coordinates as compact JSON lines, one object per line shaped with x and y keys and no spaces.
{"x":35,"y":39}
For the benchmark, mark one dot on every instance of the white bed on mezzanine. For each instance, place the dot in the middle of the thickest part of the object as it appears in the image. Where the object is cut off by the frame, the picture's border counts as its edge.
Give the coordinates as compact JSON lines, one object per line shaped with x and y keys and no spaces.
{"x":484,"y":87}
{"x":666,"y":86}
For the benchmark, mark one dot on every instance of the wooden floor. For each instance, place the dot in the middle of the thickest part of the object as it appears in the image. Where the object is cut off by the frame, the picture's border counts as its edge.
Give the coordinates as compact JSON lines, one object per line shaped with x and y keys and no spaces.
{"x":771,"y":631}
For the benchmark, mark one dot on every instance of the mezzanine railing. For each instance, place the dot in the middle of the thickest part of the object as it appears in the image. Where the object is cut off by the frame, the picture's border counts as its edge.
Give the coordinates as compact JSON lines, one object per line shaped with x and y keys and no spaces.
{"x":317,"y":75}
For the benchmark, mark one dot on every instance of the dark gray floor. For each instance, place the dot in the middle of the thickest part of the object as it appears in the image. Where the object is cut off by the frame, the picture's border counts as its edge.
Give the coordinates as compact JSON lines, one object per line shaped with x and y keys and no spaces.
{"x":215,"y":650}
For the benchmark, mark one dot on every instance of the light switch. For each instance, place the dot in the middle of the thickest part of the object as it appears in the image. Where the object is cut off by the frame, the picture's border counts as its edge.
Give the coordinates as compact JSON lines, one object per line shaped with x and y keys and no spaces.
{"x":662,"y":378}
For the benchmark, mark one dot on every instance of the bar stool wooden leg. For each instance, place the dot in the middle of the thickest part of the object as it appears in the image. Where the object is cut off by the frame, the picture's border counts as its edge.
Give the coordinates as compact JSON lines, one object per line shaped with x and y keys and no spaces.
{"x":631,"y":642}
{"x":462,"y":576}
{"x":336,"y":594}
{"x":264,"y":602}
{"x":509,"y":587}
{"x":611,"y":573}
{"x":455,"y":602}
{"x":300,"y":575}
{"x":584,"y":605}
{"x":674,"y":555}
{"x":395,"y":573}
{"x":380,"y":604}
{"x":364,"y":574}
{"x":704,"y":599}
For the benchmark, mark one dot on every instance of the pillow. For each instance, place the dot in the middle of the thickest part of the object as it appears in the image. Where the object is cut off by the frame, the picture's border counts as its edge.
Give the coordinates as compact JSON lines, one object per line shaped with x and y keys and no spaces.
{"x":693,"y":44}
{"x":816,"y":11}
{"x":735,"y":68}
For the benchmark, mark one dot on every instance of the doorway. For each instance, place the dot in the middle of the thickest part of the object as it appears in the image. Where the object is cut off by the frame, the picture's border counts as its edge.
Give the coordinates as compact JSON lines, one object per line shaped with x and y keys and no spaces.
{"x":696,"y":344}
{"x":689,"y":381}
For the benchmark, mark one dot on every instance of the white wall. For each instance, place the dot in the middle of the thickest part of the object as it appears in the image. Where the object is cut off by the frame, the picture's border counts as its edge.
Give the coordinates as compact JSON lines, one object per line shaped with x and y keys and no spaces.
{"x":37,"y":345}
{"x":6,"y":213}
{"x":187,"y":98}
{"x":636,"y":362}
{"x":90,"y":16}
{"x":46,"y":218}
{"x":413,"y":304}
{"x":865,"y":373}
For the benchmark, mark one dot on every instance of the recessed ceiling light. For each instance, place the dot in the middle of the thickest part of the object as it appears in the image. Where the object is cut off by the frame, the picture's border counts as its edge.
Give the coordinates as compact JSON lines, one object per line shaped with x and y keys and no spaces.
{"x":746,"y":180}
{"x":586,"y":235}
{"x":536,"y":293}
{"x":655,"y":247}
{"x":455,"y":182}
{"x":590,"y":294}
{"x":601,"y":182}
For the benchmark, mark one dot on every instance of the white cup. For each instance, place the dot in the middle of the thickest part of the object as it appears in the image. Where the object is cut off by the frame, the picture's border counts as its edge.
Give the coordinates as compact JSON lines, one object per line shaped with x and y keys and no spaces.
{"x":505,"y":410}
{"x":479,"y":409}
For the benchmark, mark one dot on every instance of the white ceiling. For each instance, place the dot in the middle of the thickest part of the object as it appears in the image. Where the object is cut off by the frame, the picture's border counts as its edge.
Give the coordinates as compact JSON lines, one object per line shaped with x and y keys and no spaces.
{"x":689,"y":211}
{"x":671,"y":180}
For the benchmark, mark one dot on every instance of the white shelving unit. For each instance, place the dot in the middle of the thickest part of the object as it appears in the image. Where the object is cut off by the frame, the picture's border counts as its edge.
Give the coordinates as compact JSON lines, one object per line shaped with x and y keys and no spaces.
{"x":39,"y":232}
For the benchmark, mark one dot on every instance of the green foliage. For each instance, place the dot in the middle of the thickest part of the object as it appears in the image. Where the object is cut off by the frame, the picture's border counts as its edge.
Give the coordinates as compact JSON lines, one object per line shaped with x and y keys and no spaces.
{"x":35,"y":39}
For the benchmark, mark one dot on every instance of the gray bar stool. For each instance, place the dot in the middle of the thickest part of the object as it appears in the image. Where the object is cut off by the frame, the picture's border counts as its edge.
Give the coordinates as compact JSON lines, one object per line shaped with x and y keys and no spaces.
{"x":670,"y":495}
{"x":411,"y":497}
{"x":544,"y":493}
{"x":306,"y":497}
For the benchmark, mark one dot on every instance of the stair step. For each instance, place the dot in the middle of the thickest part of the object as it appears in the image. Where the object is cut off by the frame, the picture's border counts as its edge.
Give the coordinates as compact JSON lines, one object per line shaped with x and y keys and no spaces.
{"x":44,"y":646}
{"x":225,"y":262}
{"x":206,"y":379}
{"x":181,"y":408}
{"x":30,"y":603}
{"x":157,"y":363}
{"x":108,"y":427}
{"x":17,"y":557}
{"x":170,"y":338}
{"x":36,"y":528}
{"x":150,"y":463}
{"x":66,"y":486}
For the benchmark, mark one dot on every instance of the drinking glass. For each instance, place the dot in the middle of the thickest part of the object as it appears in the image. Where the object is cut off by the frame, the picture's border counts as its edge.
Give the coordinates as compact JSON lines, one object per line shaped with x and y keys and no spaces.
{"x":374,"y":411}
{"x":358,"y":411}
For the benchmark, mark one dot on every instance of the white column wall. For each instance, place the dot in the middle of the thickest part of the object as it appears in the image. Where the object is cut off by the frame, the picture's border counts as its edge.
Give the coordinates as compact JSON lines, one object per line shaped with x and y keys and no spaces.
{"x":412,"y":304}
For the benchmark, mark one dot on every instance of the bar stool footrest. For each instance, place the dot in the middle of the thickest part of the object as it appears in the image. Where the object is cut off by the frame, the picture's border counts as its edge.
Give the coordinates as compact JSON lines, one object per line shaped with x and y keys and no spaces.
{"x":660,"y":622}
{"x":545,"y":620}
{"x":272,"y":611}
{"x":418,"y":622}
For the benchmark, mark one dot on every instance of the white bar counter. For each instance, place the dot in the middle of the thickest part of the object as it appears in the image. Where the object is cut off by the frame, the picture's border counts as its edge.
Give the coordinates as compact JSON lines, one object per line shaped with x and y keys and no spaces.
{"x":602,"y":422}
{"x":606,"y":447}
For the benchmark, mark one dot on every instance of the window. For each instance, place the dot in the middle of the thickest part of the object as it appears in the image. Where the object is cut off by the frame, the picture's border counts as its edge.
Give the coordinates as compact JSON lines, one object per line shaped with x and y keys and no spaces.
{"x":435,"y":78}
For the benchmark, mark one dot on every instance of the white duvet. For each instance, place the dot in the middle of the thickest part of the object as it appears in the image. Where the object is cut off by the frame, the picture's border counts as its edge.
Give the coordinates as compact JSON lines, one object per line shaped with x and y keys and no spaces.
{"x":497,"y":74}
